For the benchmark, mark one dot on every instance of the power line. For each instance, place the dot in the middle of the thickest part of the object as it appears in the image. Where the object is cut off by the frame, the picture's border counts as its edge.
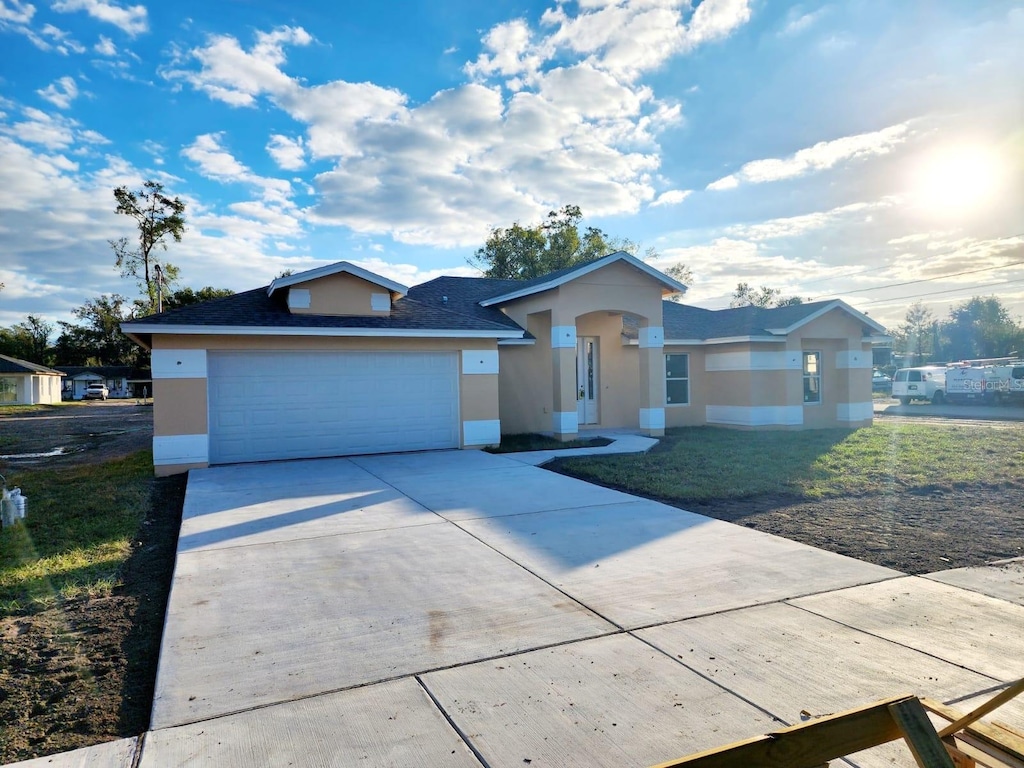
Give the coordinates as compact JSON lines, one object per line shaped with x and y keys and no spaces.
{"x":937,"y":293}
{"x":930,"y":279}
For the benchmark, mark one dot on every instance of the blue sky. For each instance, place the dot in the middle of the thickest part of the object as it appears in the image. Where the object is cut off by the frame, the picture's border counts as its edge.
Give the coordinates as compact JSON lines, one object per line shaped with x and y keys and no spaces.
{"x":829,"y":150}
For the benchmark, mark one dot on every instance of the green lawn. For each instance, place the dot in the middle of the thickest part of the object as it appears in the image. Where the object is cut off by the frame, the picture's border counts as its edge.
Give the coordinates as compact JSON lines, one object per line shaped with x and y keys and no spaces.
{"x":704,"y":463}
{"x":77,"y":534}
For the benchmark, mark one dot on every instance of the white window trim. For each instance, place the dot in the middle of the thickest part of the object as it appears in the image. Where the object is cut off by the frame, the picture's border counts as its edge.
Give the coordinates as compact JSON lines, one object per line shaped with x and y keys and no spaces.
{"x":688,"y":380}
{"x":820,"y":374}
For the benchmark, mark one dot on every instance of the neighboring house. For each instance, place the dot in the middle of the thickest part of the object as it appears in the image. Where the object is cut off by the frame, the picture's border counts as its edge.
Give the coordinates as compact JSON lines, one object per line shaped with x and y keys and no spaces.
{"x":338,"y":360}
{"x":25,"y":383}
{"x":117,"y":379}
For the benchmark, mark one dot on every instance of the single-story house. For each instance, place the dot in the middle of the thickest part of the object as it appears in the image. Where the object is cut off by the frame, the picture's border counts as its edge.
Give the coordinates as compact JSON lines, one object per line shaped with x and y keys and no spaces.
{"x":116,"y":378}
{"x":25,"y":383}
{"x":339,"y":360}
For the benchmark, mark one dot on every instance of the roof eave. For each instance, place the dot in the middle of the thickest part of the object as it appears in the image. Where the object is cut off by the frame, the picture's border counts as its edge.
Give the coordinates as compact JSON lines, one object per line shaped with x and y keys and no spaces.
{"x":133,"y":331}
{"x":334,"y":269}
{"x":837,"y":304}
{"x":673,"y":286}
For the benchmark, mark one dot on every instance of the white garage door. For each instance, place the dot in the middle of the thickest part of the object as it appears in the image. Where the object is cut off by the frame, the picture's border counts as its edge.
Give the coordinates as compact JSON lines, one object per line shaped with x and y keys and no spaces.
{"x":291,"y":405}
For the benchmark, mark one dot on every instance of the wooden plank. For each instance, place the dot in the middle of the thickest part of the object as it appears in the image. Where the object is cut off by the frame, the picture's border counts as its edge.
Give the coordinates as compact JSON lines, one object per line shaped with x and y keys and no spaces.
{"x":1011,"y":744}
{"x":924,"y":743}
{"x":982,"y":753}
{"x":994,"y":703}
{"x":806,"y":744}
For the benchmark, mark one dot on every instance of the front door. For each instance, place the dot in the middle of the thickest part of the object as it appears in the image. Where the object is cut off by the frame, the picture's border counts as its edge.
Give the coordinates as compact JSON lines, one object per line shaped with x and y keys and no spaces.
{"x":586,"y":380}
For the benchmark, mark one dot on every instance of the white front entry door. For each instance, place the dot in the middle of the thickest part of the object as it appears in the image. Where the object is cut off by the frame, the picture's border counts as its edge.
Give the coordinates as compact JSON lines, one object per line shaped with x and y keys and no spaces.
{"x":586,"y":380}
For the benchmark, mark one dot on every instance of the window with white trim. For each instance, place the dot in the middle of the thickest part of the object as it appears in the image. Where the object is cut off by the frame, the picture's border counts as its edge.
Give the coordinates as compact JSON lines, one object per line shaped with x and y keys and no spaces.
{"x":677,"y":379}
{"x":8,"y":390}
{"x":812,"y":377}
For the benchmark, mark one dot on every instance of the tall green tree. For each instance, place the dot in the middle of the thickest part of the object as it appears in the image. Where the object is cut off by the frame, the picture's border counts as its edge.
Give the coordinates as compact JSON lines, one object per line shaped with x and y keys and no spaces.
{"x":97,"y":338}
{"x":157,"y":218}
{"x":525,"y":252}
{"x":915,"y":338}
{"x":746,"y":295}
{"x":978,"y":328}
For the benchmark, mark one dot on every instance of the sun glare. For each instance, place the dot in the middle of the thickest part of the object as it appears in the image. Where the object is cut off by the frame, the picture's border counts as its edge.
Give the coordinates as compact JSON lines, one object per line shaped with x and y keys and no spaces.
{"x":957,"y":180}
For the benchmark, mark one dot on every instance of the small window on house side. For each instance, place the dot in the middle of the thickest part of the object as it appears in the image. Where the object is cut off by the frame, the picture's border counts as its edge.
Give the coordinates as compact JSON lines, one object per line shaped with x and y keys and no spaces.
{"x":8,"y":390}
{"x":812,"y":377}
{"x":677,"y":379}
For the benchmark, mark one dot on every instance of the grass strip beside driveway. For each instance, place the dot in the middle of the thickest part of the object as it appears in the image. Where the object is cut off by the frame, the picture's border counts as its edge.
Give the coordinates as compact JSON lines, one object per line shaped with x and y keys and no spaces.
{"x":78,"y":532}
{"x":707,"y":463}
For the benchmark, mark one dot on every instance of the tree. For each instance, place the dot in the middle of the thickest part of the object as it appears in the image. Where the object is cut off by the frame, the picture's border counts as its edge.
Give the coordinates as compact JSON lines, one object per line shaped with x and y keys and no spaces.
{"x":523,"y":253}
{"x":184,"y":297}
{"x":915,"y":337}
{"x":29,"y":340}
{"x":98,"y":339}
{"x":978,"y":328}
{"x":746,"y":295}
{"x":157,"y":217}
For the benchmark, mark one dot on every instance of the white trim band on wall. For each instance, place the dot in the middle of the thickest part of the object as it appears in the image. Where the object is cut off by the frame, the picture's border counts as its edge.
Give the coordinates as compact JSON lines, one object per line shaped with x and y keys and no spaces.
{"x":563,"y":336}
{"x":853,"y":358}
{"x":483,"y":432}
{"x":652,"y":418}
{"x":855,"y":411}
{"x":479,"y":361}
{"x":652,"y":337}
{"x":179,"y":363}
{"x":565,"y":422}
{"x":181,"y":449}
{"x":788,"y":360}
{"x":755,"y":415}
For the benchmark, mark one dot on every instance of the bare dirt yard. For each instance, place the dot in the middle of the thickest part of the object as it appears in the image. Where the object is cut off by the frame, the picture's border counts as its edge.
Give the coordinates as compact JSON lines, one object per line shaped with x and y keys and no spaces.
{"x":78,"y":668}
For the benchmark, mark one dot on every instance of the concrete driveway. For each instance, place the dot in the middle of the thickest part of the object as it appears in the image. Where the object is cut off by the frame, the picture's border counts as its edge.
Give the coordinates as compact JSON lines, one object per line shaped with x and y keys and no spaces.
{"x":464,"y":609}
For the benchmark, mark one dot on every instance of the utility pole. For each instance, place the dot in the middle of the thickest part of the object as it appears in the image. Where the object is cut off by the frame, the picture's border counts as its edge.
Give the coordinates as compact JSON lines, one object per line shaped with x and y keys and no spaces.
{"x":160,"y":287}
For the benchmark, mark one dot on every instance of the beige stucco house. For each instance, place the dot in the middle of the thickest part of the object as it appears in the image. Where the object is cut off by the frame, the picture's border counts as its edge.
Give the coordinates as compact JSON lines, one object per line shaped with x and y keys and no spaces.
{"x":25,"y":383}
{"x":338,"y":360}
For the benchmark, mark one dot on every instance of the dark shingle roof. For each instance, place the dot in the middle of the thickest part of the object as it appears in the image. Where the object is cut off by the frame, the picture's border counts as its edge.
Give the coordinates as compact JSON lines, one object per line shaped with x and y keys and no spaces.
{"x":254,"y":309}
{"x":464,"y":296}
{"x":685,"y":322}
{"x":106,"y":371}
{"x":14,"y":365}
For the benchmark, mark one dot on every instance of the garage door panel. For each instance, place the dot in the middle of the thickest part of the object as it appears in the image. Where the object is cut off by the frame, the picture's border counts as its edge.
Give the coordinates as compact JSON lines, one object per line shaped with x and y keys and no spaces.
{"x":282,"y":405}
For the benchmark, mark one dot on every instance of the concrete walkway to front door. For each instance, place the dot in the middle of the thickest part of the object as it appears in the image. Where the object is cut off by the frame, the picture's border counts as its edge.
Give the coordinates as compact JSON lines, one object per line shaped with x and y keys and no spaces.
{"x":464,"y":609}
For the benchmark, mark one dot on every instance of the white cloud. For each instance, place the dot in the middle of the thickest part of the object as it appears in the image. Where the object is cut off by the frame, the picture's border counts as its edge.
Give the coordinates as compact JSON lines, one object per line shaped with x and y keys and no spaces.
{"x":16,"y":12}
{"x":821,"y":156}
{"x":61,"y":92}
{"x":798,"y":22}
{"x":235,"y":76}
{"x":105,"y":46}
{"x":287,"y":152}
{"x":726,"y":182}
{"x":471,"y":157}
{"x":672,"y":197}
{"x":215,"y":162}
{"x":132,"y":20}
{"x":795,"y":226}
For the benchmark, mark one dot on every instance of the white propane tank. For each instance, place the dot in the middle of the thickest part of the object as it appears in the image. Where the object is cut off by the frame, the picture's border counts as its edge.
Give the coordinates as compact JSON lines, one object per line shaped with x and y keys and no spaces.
{"x":20,"y":503}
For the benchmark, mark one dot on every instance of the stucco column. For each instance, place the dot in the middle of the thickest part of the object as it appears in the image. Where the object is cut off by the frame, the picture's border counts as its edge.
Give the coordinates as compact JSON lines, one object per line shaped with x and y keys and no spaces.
{"x":564,"y":421}
{"x":652,"y":381}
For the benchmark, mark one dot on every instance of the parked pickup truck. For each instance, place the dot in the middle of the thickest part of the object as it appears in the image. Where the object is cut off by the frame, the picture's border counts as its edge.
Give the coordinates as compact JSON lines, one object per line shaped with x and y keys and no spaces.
{"x":96,"y":392}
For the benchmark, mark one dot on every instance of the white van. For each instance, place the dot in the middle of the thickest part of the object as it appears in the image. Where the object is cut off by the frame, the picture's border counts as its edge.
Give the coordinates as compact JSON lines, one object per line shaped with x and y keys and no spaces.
{"x":925,"y":383}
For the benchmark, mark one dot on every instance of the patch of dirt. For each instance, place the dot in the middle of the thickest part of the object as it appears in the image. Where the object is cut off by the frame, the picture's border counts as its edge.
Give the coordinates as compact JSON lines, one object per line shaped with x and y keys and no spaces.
{"x":915,"y":532}
{"x":89,"y":433}
{"x":84,"y":672}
